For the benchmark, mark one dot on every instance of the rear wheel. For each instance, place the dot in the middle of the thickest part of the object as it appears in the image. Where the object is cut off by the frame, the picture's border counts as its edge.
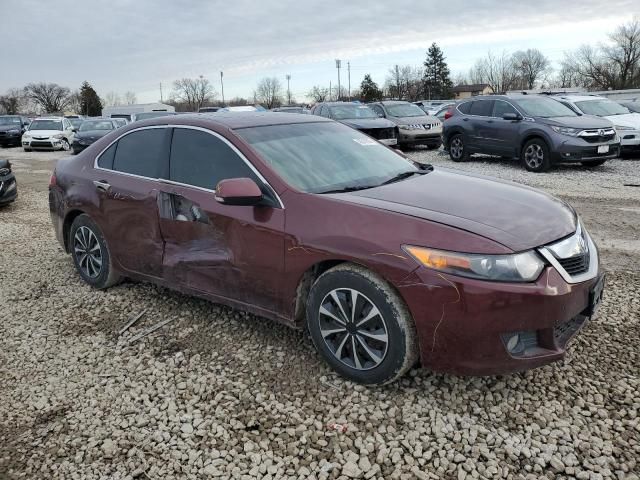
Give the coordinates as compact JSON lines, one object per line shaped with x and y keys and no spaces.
{"x":457,"y":149}
{"x":361,"y":326}
{"x":535,"y":156}
{"x":593,"y":163}
{"x":91,"y":254}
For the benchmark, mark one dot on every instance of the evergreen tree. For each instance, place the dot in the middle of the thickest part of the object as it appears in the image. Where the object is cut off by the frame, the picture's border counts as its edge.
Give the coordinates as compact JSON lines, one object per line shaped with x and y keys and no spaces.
{"x":90,"y":103}
{"x":369,"y":91}
{"x":437,"y":81}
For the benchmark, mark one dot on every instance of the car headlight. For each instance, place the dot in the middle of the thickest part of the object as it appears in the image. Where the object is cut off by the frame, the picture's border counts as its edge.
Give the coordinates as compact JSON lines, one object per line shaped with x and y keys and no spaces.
{"x":622,"y":127}
{"x":58,"y":136}
{"x":26,"y":136}
{"x":408,"y":127}
{"x":572,"y":132}
{"x":14,"y":131}
{"x":517,"y":267}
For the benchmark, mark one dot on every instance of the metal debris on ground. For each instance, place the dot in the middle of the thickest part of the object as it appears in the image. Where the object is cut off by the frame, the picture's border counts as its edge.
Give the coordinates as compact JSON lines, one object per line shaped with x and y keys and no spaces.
{"x":338,"y":427}
{"x":131,"y":322}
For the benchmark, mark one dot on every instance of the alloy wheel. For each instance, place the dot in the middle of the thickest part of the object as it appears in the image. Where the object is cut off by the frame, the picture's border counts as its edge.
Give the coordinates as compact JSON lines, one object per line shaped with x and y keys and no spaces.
{"x":456,"y":148}
{"x":534,"y":156}
{"x":353,"y":329}
{"x":64,"y":144}
{"x":88,"y":252}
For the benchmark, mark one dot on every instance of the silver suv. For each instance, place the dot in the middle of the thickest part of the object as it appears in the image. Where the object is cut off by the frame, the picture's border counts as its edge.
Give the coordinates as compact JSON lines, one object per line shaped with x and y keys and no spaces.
{"x":414,"y":126}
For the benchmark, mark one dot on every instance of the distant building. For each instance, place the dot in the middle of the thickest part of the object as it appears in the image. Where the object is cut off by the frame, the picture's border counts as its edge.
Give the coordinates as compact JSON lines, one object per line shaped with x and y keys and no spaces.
{"x":466,"y":91}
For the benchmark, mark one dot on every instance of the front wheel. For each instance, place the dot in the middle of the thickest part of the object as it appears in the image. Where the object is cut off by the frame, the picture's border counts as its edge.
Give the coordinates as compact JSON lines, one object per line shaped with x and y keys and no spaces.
{"x":535,"y":156}
{"x":90,"y":253}
{"x":593,"y":163}
{"x":361,"y":326}
{"x":457,"y":149}
{"x":64,"y":144}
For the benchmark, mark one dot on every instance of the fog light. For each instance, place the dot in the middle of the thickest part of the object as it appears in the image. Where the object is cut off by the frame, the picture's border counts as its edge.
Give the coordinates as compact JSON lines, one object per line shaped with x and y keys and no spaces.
{"x":513,"y":342}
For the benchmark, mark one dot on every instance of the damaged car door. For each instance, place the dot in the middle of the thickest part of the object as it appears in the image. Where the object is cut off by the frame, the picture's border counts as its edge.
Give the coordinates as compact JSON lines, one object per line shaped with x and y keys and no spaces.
{"x":229,"y":251}
{"x":126,"y":183}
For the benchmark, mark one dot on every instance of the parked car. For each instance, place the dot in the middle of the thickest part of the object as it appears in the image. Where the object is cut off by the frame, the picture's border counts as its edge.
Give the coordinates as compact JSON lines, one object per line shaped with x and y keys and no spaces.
{"x":306,"y":221}
{"x":8,"y":184}
{"x":51,"y":133}
{"x":288,"y":109}
{"x":445,"y":112}
{"x":11,"y":129}
{"x":243,"y":108}
{"x":147,"y":115}
{"x":120,"y":122}
{"x":414,"y":127}
{"x":208,"y":109}
{"x":90,"y":131}
{"x":360,"y":117}
{"x":431,"y":107}
{"x":626,"y":122}
{"x":632,"y":106}
{"x":538,"y":130}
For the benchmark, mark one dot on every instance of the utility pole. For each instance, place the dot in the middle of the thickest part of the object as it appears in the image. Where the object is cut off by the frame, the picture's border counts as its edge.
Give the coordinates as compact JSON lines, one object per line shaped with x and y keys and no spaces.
{"x":397,"y":82}
{"x":349,"y":76}
{"x":330,"y":91}
{"x":288,"y":89}
{"x":222,"y":86}
{"x":338,"y":63}
{"x":160,"y":92}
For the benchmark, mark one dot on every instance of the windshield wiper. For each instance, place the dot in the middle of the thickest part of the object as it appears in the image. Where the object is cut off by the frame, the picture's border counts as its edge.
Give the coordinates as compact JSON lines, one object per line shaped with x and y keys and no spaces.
{"x":351,"y":188}
{"x":403,"y":175}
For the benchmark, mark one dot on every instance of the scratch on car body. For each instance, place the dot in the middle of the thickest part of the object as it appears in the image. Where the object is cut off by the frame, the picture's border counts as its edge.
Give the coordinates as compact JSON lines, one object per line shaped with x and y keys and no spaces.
{"x":457,"y":300}
{"x":391,"y":255}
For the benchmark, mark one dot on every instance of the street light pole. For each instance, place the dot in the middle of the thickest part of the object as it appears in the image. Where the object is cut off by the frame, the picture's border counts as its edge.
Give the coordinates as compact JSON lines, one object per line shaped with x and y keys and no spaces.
{"x":222,"y":85}
{"x":288,"y":89}
{"x":349,"y":77}
{"x":338,"y":67}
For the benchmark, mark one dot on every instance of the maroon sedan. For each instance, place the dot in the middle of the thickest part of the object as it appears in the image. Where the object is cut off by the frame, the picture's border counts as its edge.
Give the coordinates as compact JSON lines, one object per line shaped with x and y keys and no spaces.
{"x":306,"y":221}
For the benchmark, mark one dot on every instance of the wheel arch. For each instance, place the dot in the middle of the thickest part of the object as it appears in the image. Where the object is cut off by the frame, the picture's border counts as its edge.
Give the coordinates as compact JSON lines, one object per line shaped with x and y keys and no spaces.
{"x":66,"y":226}
{"x":533,"y":136}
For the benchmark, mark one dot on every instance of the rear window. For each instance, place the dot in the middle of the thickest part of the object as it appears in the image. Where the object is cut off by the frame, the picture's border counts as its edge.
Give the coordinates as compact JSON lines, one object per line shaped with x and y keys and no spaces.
{"x":465,"y":107}
{"x":141,"y":153}
{"x":106,"y":159}
{"x":482,"y":108}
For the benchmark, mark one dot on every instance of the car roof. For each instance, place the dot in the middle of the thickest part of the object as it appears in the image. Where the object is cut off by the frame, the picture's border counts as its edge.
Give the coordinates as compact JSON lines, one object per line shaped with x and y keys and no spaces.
{"x":235,"y":120}
{"x":49,"y":118}
{"x":580,"y":98}
{"x":393,"y":102}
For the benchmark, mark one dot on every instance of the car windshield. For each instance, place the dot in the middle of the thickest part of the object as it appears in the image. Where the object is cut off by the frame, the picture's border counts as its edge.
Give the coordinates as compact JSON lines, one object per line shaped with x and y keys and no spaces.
{"x":404,"y":110}
{"x":543,"y":107}
{"x":321,"y":157}
{"x":343,"y":112}
{"x":601,"y":108}
{"x":96,"y":125}
{"x":46,"y":125}
{"x":9,"y":120}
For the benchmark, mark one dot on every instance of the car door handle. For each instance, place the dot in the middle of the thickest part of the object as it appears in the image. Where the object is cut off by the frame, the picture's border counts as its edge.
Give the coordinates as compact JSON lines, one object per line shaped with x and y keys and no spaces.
{"x":465,"y":119}
{"x":102,"y":185}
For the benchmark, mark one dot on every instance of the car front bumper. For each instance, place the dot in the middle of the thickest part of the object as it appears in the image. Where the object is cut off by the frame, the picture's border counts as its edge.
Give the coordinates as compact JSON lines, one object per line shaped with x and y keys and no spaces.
{"x":629,"y":140}
{"x":7,"y":138}
{"x":420,"y":137}
{"x":49,"y":144}
{"x":465,"y":326}
{"x":578,"y":150}
{"x":8,"y":189}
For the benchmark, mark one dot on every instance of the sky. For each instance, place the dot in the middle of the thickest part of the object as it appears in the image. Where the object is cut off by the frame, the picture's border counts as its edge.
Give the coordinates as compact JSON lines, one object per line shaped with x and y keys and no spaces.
{"x":136,"y":45}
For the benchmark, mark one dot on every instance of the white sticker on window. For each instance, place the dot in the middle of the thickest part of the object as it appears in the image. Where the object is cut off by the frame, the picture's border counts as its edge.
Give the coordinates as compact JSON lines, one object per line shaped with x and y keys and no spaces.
{"x":365,"y":141}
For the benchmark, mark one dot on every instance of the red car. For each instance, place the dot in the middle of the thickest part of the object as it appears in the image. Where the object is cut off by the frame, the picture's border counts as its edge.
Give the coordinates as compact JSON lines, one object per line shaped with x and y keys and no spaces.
{"x":311,"y":223}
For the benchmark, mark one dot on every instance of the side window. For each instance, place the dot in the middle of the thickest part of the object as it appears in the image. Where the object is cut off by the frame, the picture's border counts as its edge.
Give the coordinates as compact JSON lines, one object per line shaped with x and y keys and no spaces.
{"x":378,"y":109}
{"x":465,"y":107}
{"x":500,"y":108}
{"x":482,"y":108}
{"x":106,"y":159}
{"x":201,"y":159}
{"x":141,"y":153}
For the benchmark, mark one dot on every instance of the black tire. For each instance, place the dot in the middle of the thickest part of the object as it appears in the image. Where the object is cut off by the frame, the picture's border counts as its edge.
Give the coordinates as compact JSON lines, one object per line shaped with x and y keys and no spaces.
{"x":388,"y":360}
{"x":535,"y":155}
{"x":457,"y":148}
{"x":434,"y":147}
{"x":27,"y":149}
{"x":96,"y":268}
{"x":593,"y":163}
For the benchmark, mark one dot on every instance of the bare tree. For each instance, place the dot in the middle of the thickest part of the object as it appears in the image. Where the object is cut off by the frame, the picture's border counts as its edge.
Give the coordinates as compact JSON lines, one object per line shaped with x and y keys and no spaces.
{"x":404,"y":83}
{"x":532,"y":67}
{"x":13,"y":101}
{"x":495,"y":70}
{"x":624,"y":54}
{"x":112,"y":99}
{"x":460,"y":79}
{"x":130,"y":98}
{"x":51,"y":97}
{"x":194,"y":92}
{"x":269,"y":92}
{"x":318,"y":94}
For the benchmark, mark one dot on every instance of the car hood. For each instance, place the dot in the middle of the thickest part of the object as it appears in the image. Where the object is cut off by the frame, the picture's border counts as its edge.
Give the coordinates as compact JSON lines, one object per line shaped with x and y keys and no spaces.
{"x":93,"y":134}
{"x":584,"y":122}
{"x":517,"y":217}
{"x":44,"y":133}
{"x":414,"y":120}
{"x":367,"y":123}
{"x":5,"y":128}
{"x":626,"y":120}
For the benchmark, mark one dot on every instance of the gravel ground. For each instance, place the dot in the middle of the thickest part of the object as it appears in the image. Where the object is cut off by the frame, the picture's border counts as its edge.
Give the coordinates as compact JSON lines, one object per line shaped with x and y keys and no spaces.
{"x":219,"y":393}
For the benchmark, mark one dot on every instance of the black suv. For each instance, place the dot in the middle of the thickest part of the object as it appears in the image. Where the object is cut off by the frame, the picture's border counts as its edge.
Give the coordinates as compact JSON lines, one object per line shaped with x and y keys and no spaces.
{"x":538,"y":130}
{"x":11,"y":129}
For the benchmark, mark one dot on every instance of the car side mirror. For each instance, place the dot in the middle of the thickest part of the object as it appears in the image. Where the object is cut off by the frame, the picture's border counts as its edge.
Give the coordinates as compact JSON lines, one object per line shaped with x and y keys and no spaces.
{"x":74,"y":130}
{"x":238,"y":191}
{"x":514,"y":117}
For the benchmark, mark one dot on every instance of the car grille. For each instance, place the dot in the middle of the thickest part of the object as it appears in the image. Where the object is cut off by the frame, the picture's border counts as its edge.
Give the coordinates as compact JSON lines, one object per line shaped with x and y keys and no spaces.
{"x":575,"y":265}
{"x":598,"y":136}
{"x":380,"y":133}
{"x":36,"y":144}
{"x":562,"y":332}
{"x":572,"y":257}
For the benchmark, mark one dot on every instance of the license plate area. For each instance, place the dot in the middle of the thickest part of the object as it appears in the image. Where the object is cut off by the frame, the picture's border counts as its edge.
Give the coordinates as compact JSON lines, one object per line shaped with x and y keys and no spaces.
{"x":603,"y":149}
{"x":595,"y":296}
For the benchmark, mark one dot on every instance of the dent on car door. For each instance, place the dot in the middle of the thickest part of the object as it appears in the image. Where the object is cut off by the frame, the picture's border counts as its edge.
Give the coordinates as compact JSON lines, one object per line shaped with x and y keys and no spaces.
{"x":232,"y":252}
{"x":127,"y":188}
